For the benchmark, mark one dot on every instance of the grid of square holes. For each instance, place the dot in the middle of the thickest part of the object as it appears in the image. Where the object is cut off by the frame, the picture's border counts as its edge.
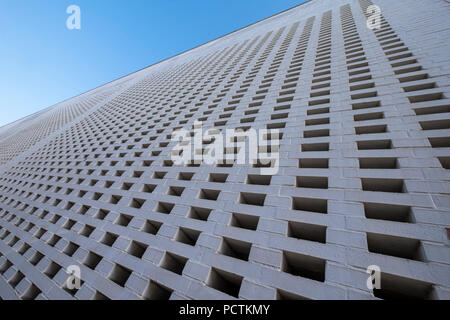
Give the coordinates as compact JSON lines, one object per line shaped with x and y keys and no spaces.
{"x":105,"y":195}
{"x":19,"y":137}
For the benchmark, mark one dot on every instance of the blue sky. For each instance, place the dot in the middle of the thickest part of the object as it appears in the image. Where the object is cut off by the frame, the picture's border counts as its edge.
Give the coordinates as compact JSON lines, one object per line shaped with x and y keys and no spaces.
{"x":43,"y":63}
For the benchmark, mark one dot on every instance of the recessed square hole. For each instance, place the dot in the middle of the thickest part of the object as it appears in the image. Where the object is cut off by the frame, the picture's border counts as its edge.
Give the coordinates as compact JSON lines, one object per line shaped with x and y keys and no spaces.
{"x":120,"y":275}
{"x":440,"y":142}
{"x":244,"y":221}
{"x":218,"y":177}
{"x":15,"y":280}
{"x":52,"y":269}
{"x":173,"y":262}
{"x":187,"y":176}
{"x":368,"y":116}
{"x":123,"y":220}
{"x":137,"y":203}
{"x":309,"y":204}
{"x":109,"y":239}
{"x":187,"y":236}
{"x":148,"y":188}
{"x":394,"y":287}
{"x":164,"y":207}
{"x":395,"y":246}
{"x":319,"y":163}
{"x":101,"y":214}
{"x":445,"y":162}
{"x":114,"y":199}
{"x":374,"y":144}
{"x":312,"y":182}
{"x":137,"y":249}
{"x":303,"y":266}
{"x":159,"y":175}
{"x":371,"y":129}
{"x":382,"y":185}
{"x":389,"y":212}
{"x":32,"y":293}
{"x":284,"y":295}
{"x":92,"y":260}
{"x":378,"y":163}
{"x":259,"y":179}
{"x":316,"y":133}
{"x":225,"y":282}
{"x":306,"y":231}
{"x":99,"y":296}
{"x":235,"y":248}
{"x":155,"y":291}
{"x":87,"y":231}
{"x":126,"y":186}
{"x":199,"y":213}
{"x":176,"y":191}
{"x":70,"y":249}
{"x":151,"y":227}
{"x":254,"y":199}
{"x":315,"y":147}
{"x":209,"y":194}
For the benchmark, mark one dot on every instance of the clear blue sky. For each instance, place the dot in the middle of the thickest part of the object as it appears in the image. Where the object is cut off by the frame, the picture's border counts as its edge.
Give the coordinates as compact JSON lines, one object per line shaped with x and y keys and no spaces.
{"x":43,"y":63}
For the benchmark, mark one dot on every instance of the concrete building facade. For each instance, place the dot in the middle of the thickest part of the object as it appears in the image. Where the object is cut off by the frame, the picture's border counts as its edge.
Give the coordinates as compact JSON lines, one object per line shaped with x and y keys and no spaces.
{"x":363,"y":116}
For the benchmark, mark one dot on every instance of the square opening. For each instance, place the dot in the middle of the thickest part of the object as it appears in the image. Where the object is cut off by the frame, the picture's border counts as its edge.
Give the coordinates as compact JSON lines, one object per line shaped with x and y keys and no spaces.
{"x":164,"y":207}
{"x":148,"y":188}
{"x":123,"y":220}
{"x":199,"y":213}
{"x":382,"y":185}
{"x":254,"y":199}
{"x":15,"y":280}
{"x":312,"y":182}
{"x":70,"y":249}
{"x":52,"y":269}
{"x":137,"y":203}
{"x":244,"y":221}
{"x":186,"y":176}
{"x":101,"y":215}
{"x":99,"y":296}
{"x":187,"y":236}
{"x":445,"y":162}
{"x":395,"y":246}
{"x":119,"y":275}
{"x":235,"y":248}
{"x":378,"y":163}
{"x":114,"y":199}
{"x":374,"y":144}
{"x":32,"y":293}
{"x":371,"y":129}
{"x":209,"y":194}
{"x":109,"y":239}
{"x":394,"y":287}
{"x":258,"y":179}
{"x":389,"y":212}
{"x":137,"y":249}
{"x":315,"y":147}
{"x":173,"y":262}
{"x":87,"y":231}
{"x":303,"y":266}
{"x":284,"y":295}
{"x":151,"y":227}
{"x":306,"y":231}
{"x":225,"y":282}
{"x":308,"y":204}
{"x":318,"y":163}
{"x":218,"y":177}
{"x":176,"y":191}
{"x":92,"y":260}
{"x":155,"y":291}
